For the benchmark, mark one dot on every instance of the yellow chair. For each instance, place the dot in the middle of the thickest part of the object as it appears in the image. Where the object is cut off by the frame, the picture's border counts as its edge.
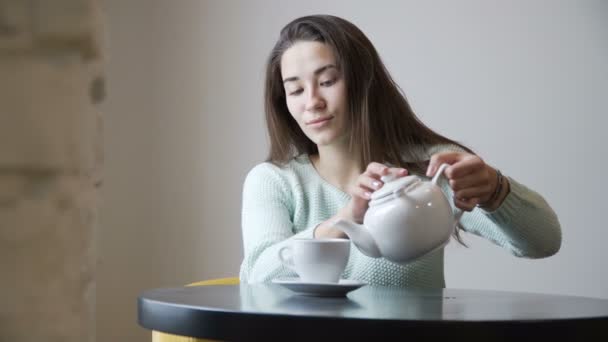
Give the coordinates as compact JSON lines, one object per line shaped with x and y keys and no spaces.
{"x":158,"y":336}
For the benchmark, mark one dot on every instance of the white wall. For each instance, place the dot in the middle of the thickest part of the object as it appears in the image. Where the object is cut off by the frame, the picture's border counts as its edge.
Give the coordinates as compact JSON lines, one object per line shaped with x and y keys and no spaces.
{"x":522,"y":83}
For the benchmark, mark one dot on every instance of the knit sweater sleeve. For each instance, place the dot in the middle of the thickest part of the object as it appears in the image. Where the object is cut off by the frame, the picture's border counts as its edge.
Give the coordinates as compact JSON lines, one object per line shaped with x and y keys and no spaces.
{"x":524,"y":223}
{"x":267,"y":223}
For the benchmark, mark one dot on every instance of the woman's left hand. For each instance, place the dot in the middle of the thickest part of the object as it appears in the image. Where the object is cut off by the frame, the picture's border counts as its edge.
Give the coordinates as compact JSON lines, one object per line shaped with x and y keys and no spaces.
{"x":471,"y":179}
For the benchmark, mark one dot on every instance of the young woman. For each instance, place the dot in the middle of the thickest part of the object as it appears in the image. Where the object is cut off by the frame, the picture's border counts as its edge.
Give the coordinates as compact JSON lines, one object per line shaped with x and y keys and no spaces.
{"x":337,"y":123}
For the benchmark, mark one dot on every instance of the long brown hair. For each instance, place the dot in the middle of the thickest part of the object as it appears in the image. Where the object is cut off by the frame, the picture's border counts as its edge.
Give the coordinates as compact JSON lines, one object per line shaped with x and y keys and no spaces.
{"x":383,"y":127}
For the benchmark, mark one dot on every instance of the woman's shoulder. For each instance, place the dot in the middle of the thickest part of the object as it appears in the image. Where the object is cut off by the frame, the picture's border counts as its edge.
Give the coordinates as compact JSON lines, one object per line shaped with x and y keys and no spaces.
{"x":267,"y":170}
{"x":441,"y":148}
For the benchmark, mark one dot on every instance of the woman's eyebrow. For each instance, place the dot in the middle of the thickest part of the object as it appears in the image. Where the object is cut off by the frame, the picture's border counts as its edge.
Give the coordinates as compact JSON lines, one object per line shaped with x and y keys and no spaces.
{"x":316,"y":72}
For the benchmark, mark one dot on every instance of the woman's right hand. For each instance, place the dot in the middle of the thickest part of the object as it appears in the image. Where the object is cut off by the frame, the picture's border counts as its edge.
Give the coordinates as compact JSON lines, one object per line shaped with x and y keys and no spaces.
{"x":361,"y":192}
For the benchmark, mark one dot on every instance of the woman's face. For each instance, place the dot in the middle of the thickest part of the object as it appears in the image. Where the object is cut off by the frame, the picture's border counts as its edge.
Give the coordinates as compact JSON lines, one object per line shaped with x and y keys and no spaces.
{"x":315,"y":91}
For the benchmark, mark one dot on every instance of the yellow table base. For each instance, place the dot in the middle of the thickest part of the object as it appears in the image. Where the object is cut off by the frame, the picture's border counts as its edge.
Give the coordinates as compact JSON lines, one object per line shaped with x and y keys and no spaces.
{"x":158,"y":336}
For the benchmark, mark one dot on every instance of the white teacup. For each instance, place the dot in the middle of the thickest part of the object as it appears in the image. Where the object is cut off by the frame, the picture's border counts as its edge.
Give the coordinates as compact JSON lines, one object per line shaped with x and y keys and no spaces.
{"x":317,"y":260}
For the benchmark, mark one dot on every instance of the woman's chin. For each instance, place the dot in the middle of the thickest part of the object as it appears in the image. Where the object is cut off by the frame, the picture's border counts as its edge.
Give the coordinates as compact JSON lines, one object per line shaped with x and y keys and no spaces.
{"x":328,"y":138}
{"x":323,"y":140}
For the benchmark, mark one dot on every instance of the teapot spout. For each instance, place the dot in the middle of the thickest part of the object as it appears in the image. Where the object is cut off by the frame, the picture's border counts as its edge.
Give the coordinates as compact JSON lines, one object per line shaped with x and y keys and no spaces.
{"x":360,"y":236}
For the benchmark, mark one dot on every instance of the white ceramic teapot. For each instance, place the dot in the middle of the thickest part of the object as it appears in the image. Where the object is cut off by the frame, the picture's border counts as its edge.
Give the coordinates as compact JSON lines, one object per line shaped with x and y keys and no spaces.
{"x":407,"y":218}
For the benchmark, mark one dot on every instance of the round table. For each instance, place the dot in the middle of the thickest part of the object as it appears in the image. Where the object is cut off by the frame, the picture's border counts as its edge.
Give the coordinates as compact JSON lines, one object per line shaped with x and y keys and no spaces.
{"x":269,"y":311}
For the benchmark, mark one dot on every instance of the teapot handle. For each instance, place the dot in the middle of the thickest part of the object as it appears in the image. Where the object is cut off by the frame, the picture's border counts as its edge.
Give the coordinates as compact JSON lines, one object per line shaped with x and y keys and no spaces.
{"x":457,"y":212}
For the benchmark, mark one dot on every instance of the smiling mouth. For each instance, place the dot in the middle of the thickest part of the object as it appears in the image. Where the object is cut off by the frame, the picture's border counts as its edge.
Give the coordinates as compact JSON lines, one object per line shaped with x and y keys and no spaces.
{"x":319,"y":120}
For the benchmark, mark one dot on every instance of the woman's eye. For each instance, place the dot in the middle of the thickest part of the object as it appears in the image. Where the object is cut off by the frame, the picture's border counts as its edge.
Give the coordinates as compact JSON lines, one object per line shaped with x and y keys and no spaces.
{"x":328,"y":83}
{"x":296,"y":92}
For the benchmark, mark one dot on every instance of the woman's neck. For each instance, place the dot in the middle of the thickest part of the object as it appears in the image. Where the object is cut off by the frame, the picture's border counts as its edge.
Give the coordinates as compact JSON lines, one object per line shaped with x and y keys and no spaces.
{"x":337,"y":166}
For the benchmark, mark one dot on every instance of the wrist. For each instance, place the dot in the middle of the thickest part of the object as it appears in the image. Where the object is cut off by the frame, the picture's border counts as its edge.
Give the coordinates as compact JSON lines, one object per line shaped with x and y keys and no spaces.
{"x":501,"y":191}
{"x":346,"y":214}
{"x":326,"y":230}
{"x":496,"y":190}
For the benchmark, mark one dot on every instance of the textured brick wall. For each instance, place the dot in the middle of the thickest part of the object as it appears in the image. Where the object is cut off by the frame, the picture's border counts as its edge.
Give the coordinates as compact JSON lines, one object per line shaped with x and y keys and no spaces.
{"x":51,"y":84}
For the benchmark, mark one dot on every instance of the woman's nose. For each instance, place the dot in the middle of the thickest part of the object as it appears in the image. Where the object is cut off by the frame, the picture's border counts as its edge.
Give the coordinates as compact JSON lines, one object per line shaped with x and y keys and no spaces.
{"x":314,"y":101}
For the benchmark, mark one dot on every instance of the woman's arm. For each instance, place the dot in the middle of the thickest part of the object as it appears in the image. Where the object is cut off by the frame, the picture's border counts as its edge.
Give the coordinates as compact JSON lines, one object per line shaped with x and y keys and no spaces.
{"x":524,"y":223}
{"x":267,"y":225}
{"x":518,"y":218}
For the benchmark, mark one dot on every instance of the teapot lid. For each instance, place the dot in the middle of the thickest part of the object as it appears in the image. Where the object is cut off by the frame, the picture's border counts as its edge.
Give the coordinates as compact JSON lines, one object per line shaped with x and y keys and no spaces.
{"x":392,"y":184}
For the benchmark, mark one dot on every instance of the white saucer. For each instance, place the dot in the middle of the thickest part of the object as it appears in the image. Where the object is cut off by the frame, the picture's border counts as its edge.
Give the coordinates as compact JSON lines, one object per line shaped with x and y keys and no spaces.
{"x":339,"y":289}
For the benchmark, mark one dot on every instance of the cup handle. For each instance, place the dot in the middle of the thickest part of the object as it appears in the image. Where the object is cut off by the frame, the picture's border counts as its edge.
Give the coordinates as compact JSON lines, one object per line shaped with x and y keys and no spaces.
{"x":457,"y":212}
{"x":286,"y":257}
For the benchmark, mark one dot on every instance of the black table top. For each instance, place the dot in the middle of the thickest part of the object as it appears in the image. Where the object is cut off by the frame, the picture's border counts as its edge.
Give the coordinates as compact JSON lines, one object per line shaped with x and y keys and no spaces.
{"x":269,"y":311}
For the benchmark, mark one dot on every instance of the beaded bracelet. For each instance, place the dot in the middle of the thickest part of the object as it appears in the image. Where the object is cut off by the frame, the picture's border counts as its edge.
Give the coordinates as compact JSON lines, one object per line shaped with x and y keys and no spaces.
{"x":496,"y":193}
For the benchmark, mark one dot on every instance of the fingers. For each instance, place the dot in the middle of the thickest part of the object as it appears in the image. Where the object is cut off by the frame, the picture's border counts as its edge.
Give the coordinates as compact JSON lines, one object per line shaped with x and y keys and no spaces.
{"x":476,"y":192}
{"x":365,"y":185}
{"x":476,"y":183}
{"x":460,"y":163}
{"x":376,"y":169}
{"x":466,"y":204}
{"x":395,"y":173}
{"x":479,"y":180}
{"x":469,"y":176}
{"x":369,"y":181}
{"x":399,"y":172}
{"x":361,"y":192}
{"x":468,"y":164}
{"x":467,"y":181}
{"x":441,"y":158}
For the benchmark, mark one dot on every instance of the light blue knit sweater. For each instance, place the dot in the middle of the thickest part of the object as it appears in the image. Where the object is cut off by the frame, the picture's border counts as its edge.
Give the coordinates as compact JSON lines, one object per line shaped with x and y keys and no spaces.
{"x":280,"y":204}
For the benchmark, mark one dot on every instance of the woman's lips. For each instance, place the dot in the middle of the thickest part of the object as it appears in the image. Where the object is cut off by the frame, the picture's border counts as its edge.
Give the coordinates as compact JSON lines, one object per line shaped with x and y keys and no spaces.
{"x":319,"y":121}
